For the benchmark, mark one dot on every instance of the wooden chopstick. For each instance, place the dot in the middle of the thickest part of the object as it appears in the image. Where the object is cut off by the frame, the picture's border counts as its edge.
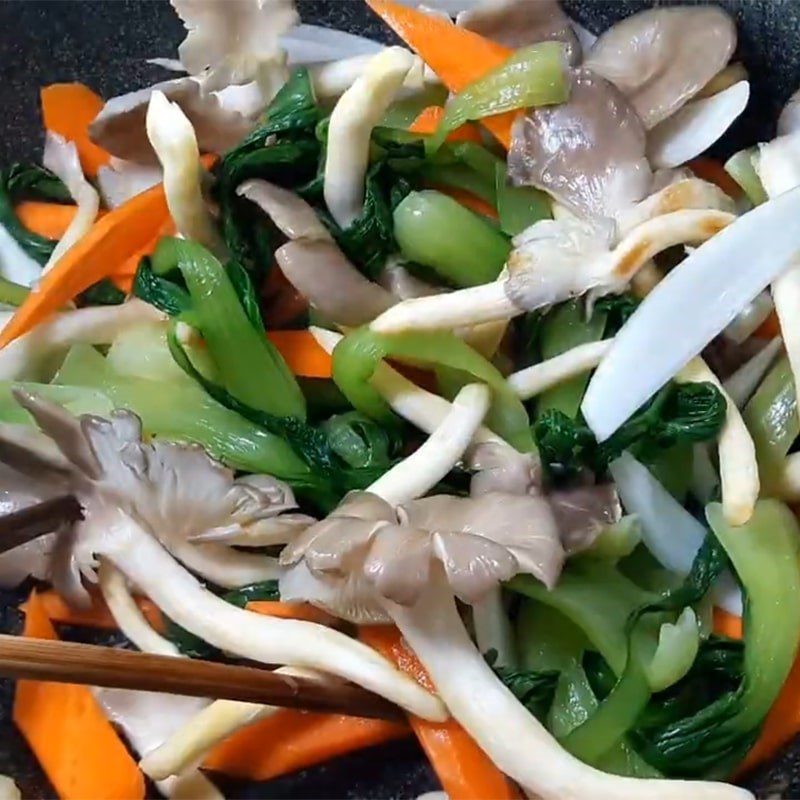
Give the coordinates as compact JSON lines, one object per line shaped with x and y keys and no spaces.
{"x":71,"y":662}
{"x":26,"y":524}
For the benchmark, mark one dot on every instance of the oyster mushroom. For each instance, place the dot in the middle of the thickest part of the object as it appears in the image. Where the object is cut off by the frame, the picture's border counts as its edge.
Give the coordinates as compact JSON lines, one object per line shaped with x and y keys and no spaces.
{"x":133,"y":492}
{"x":518,"y":23}
{"x":662,"y":57}
{"x":321,"y":272}
{"x":119,"y":128}
{"x":552,"y":261}
{"x":588,"y":153}
{"x":174,"y":141}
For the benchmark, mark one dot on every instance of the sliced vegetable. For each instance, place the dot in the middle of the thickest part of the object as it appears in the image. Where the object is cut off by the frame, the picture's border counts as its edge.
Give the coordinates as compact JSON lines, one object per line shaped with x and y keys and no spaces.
{"x":357,"y":356}
{"x":293,"y":740}
{"x":518,"y":207}
{"x":532,"y":76}
{"x":49,"y":220}
{"x":67,"y":109}
{"x":710,"y":296}
{"x":302,"y":354}
{"x":462,"y":767}
{"x":112,"y":239}
{"x":474,"y":257}
{"x":741,"y":168}
{"x":429,"y":119}
{"x":458,"y":56}
{"x":95,"y":616}
{"x":78,"y":748}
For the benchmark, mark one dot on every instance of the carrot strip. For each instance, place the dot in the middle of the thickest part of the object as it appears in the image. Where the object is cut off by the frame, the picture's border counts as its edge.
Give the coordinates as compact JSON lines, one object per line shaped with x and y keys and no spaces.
{"x":113,"y":239}
{"x":468,"y":200}
{"x":78,"y":748}
{"x":429,"y":119}
{"x":709,"y":169}
{"x":457,"y":55}
{"x":67,"y":109}
{"x":291,"y":740}
{"x":465,"y":771}
{"x":769,"y":328}
{"x":304,"y":611}
{"x":47,"y":219}
{"x":97,"y":615}
{"x":302,"y":353}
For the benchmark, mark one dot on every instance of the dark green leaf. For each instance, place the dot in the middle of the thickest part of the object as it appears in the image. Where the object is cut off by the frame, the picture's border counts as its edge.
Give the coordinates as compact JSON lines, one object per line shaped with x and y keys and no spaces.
{"x":246,"y":293}
{"x":360,"y":441}
{"x":266,"y":590}
{"x":618,"y":309}
{"x":689,"y":412}
{"x":534,"y":689}
{"x":102,"y":293}
{"x":160,"y":292}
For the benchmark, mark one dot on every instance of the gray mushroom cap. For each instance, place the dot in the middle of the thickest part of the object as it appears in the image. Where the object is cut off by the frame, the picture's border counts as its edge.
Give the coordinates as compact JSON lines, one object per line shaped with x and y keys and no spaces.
{"x":662,"y":57}
{"x":519,"y":23}
{"x":119,"y":128}
{"x":589,"y":153}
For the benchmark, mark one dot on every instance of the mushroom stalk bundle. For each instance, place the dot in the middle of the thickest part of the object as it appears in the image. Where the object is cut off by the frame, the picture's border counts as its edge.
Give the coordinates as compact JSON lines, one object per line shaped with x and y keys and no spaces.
{"x":537,"y":279}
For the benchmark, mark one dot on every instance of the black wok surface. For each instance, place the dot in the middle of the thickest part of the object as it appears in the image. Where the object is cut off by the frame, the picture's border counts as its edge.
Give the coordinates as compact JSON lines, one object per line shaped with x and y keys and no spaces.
{"x":105,"y":44}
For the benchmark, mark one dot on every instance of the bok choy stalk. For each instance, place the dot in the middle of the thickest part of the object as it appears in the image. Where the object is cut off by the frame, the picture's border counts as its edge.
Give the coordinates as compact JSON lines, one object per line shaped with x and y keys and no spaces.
{"x":518,"y":207}
{"x":772,"y":419}
{"x":249,"y":365}
{"x":532,"y":76}
{"x":185,"y":413}
{"x":563,"y":329}
{"x":741,"y":168}
{"x":464,"y":165}
{"x":358,"y":355}
{"x":472,"y":256}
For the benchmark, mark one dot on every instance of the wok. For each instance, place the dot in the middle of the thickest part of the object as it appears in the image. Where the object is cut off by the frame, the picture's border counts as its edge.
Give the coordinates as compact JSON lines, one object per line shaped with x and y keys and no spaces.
{"x":105,"y":44}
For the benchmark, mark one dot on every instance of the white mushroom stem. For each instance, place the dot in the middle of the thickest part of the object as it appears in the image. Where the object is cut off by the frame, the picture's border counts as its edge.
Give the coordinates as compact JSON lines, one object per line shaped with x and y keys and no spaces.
{"x":61,"y":158}
{"x":610,"y":271}
{"x":25,"y":357}
{"x":211,"y":725}
{"x":128,"y":615}
{"x":737,"y":453}
{"x":417,"y":474}
{"x":173,"y":139}
{"x":786,"y":296}
{"x":418,"y":406}
{"x":463,"y":307}
{"x":358,"y":111}
{"x":265,"y":639}
{"x":536,"y":379}
{"x":524,"y":750}
{"x":493,"y":629}
{"x":221,"y":564}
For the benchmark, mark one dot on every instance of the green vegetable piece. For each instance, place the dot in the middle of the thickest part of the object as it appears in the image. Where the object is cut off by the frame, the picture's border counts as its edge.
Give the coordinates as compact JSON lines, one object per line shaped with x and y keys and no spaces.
{"x":357,"y":356}
{"x":534,"y":689}
{"x":102,"y":293}
{"x":565,"y":327}
{"x":249,"y":365}
{"x":402,"y":113}
{"x":359,"y":441}
{"x":772,"y":419}
{"x":532,"y":76}
{"x":183,"y":411}
{"x":741,"y":168}
{"x":158,"y":291}
{"x":518,"y":207}
{"x":437,"y":232}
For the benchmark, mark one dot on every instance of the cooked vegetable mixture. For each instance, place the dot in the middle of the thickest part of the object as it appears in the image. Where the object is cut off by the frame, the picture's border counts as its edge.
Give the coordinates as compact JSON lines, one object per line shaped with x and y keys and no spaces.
{"x":456,"y":370}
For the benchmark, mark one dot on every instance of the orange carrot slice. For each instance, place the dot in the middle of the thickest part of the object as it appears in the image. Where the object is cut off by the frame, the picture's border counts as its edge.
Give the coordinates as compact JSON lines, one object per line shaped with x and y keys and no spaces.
{"x":429,"y":119}
{"x":769,"y":328}
{"x":47,"y":219}
{"x":292,"y":740}
{"x":96,"y":616}
{"x":465,"y":771}
{"x":457,"y":55}
{"x":67,"y":109}
{"x":78,"y":748}
{"x":302,"y":354}
{"x":304,"y":611}
{"x":711,"y":170}
{"x":113,"y":239}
